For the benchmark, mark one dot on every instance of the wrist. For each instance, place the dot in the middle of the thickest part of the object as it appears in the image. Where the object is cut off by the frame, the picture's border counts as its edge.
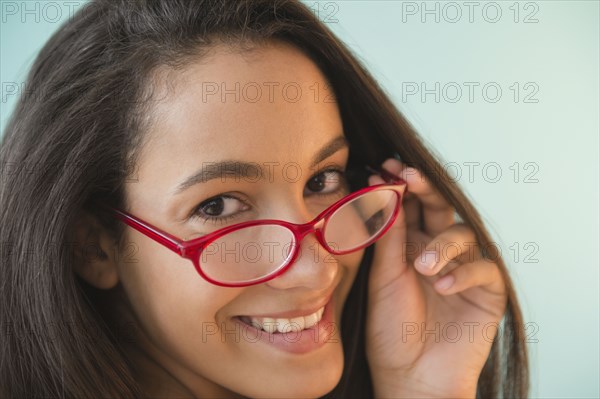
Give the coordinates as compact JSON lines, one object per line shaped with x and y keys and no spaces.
{"x":397,"y":385}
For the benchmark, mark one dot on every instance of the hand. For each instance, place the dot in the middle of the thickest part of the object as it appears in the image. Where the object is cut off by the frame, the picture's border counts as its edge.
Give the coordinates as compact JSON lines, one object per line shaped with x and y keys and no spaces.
{"x":407,"y":355}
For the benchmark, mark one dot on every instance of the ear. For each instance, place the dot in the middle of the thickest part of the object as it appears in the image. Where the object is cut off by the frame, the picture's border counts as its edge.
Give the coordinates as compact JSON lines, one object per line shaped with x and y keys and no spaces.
{"x":95,"y":252}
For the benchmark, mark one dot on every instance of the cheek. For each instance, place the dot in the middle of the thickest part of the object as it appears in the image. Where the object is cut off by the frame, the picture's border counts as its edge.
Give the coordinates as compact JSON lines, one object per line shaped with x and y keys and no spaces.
{"x":180,"y":315}
{"x":155,"y":274}
{"x":349,"y":264}
{"x":168,"y":297}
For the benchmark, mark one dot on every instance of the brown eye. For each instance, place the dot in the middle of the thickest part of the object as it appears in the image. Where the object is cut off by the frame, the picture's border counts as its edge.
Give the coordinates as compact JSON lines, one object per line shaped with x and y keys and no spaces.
{"x":327,"y":182}
{"x":220,"y":209}
{"x":214,"y":207}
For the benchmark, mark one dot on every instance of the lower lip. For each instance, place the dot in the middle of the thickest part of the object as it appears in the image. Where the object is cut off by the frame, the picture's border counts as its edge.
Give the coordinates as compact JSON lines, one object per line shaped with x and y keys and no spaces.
{"x":307,"y":340}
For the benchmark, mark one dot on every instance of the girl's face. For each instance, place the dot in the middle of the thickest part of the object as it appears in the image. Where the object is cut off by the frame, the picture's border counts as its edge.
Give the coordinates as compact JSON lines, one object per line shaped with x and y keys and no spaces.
{"x":271,"y":108}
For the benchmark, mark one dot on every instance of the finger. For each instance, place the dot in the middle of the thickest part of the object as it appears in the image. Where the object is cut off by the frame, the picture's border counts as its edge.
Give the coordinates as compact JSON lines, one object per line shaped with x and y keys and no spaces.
{"x":457,"y":240}
{"x":412,"y":209}
{"x":483,"y":273}
{"x":438,"y":215}
{"x":416,"y":242}
{"x":389,"y":248}
{"x":410,"y":202}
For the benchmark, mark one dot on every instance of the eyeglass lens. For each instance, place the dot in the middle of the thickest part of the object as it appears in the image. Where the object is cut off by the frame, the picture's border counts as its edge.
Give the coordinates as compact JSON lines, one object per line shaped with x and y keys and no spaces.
{"x":254,"y":252}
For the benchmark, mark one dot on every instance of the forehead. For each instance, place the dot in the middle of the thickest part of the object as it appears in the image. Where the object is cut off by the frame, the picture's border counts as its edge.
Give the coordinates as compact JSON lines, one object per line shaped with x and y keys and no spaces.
{"x":238,"y":102}
{"x":270,"y":104}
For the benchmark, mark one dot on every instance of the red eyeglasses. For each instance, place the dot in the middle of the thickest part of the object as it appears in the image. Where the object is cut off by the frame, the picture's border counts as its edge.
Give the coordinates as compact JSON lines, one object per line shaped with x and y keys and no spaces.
{"x":256,"y":251}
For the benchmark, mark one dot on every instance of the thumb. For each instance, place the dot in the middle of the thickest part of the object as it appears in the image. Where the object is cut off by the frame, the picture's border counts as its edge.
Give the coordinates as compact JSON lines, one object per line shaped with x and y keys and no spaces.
{"x":389,"y":260}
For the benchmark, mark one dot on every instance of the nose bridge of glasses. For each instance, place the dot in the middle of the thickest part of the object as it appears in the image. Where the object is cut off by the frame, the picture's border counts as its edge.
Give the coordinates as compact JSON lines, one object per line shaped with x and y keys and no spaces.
{"x":302,"y":230}
{"x":294,"y":215}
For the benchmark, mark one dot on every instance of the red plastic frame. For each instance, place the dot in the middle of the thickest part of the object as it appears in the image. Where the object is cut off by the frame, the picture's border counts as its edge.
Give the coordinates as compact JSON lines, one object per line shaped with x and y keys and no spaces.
{"x":192,"y":249}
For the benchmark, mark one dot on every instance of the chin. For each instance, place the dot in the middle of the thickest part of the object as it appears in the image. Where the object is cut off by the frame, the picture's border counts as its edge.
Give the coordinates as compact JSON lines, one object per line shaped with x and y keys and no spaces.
{"x":295,"y":381}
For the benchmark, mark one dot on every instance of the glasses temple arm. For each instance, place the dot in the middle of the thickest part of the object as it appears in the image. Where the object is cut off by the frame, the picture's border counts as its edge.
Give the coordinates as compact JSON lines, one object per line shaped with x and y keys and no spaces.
{"x":390,"y":177}
{"x":164,"y":238}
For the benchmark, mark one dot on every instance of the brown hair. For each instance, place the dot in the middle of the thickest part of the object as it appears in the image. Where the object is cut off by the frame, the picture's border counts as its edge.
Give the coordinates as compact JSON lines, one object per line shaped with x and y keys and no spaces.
{"x":74,"y":137}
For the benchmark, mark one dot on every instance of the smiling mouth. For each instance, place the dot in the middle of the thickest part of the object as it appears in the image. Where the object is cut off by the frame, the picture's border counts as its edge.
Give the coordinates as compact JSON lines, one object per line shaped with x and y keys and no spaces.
{"x":274,"y":325}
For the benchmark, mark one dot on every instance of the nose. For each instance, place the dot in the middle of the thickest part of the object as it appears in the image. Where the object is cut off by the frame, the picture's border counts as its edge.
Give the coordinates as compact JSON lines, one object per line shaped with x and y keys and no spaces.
{"x":314,"y":267}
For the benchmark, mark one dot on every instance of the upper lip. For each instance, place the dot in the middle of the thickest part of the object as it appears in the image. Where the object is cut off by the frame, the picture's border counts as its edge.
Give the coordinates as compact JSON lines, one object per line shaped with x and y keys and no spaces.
{"x":300,"y":311}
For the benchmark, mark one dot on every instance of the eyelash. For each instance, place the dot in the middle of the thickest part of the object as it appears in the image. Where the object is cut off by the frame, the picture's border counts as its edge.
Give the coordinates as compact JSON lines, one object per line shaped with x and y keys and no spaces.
{"x":196,"y":213}
{"x":215,"y":219}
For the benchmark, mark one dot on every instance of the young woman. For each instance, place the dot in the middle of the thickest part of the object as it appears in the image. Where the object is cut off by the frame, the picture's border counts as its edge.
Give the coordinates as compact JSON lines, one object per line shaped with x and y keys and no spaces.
{"x":154,"y":134}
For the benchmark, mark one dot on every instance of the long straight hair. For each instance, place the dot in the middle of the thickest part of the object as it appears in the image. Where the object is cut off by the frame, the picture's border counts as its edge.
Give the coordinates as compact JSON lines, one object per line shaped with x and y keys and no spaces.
{"x":74,"y":137}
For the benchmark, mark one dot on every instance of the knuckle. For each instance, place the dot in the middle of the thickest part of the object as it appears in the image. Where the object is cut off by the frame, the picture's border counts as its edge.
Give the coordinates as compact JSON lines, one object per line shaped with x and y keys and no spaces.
{"x":465,"y":232}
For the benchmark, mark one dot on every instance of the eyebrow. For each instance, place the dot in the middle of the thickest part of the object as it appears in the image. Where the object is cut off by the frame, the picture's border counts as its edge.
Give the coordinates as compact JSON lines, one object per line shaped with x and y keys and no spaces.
{"x":241,"y":169}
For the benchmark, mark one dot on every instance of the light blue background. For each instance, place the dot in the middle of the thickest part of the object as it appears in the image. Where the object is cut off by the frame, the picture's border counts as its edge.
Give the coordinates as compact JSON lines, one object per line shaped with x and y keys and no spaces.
{"x":553,"y":221}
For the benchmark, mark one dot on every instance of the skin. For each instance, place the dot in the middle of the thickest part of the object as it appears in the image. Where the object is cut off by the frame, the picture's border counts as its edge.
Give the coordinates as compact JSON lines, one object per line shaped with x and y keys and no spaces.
{"x":404,"y":293}
{"x":171,"y":304}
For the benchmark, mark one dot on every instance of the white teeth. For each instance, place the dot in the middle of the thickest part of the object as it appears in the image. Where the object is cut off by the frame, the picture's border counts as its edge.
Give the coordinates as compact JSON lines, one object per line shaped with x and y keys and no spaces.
{"x":268,"y":324}
{"x":256,"y":324}
{"x":311,"y":320}
{"x":297,"y":323}
{"x":283,"y":325}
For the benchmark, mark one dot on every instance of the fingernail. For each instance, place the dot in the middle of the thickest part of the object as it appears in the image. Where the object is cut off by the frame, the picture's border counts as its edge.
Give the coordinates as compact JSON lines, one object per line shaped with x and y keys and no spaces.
{"x":426,"y":260}
{"x":445,"y":282}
